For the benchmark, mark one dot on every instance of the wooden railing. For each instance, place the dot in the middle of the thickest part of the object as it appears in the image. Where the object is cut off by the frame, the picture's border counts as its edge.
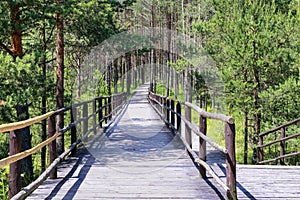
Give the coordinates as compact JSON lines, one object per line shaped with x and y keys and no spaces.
{"x":170,"y":112}
{"x":279,"y":138}
{"x":103,"y":107}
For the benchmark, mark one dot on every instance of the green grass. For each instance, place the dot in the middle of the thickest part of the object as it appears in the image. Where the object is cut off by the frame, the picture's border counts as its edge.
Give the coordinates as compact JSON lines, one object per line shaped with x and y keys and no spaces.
{"x":215,"y":128}
{"x":4,"y":183}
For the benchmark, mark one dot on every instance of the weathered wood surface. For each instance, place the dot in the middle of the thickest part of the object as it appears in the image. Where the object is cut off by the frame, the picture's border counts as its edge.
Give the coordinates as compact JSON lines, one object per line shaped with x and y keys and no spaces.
{"x":259,"y":181}
{"x":140,"y":159}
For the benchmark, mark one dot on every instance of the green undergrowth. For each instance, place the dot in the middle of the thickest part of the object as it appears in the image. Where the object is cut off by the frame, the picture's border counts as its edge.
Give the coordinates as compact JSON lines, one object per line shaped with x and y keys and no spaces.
{"x":215,"y":128}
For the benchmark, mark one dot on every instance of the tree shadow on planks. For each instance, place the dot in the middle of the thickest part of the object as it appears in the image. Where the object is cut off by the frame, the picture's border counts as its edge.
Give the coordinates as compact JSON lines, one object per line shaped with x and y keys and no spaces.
{"x":208,"y":180}
{"x":238,"y":185}
{"x":85,"y":168}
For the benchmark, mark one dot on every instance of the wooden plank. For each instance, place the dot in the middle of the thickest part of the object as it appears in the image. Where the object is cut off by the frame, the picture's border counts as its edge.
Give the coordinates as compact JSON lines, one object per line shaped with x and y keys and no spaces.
{"x":109,"y":173}
{"x":141,"y":159}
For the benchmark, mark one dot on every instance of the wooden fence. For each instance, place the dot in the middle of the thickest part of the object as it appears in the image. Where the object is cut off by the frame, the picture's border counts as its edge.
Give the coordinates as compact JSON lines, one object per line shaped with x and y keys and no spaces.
{"x":281,"y":138}
{"x":170,"y":112}
{"x":102,"y":108}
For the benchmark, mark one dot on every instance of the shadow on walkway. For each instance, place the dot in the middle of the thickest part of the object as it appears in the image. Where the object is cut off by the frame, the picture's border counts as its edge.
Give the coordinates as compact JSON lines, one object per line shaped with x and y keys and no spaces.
{"x":81,"y":176}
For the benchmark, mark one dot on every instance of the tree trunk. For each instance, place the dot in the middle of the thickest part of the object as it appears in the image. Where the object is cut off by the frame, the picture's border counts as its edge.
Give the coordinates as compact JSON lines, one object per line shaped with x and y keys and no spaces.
{"x":27,"y":167}
{"x":44,"y":98}
{"x":123,"y":72}
{"x":128,"y":72}
{"x":16,"y":32}
{"x":257,"y":114}
{"x":60,"y":75}
{"x":116,"y":75}
{"x":169,"y":56}
{"x":108,"y":77}
{"x":245,"y":126}
{"x":153,"y":52}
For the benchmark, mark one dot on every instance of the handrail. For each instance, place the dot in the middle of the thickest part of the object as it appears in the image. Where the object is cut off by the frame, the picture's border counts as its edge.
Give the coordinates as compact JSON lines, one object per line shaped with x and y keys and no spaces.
{"x":21,"y":155}
{"x":279,"y":127}
{"x":193,"y":127}
{"x":169,"y":109}
{"x":25,"y":123}
{"x":283,"y":140}
{"x":209,"y":115}
{"x":104,"y":111}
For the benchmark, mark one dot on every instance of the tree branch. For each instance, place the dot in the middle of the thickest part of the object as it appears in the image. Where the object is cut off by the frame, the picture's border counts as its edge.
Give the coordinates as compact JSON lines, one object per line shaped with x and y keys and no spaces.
{"x":50,"y":35}
{"x":7,"y":49}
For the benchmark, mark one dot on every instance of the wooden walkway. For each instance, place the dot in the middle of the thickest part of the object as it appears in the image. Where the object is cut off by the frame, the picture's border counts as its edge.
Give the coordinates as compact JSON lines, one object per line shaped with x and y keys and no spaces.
{"x":140,"y":158}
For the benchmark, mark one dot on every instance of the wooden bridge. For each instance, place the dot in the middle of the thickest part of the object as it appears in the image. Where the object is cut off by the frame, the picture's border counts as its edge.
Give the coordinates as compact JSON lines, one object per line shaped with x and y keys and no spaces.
{"x":130,"y":153}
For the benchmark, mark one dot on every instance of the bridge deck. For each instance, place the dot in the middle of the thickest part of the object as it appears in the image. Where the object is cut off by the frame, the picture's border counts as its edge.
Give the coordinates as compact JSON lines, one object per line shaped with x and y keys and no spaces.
{"x":141,"y":159}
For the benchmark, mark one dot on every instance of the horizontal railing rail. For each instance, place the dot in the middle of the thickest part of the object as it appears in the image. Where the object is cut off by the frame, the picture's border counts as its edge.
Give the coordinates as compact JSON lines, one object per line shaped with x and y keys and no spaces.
{"x":282,"y":139}
{"x":170,"y":111}
{"x":104,"y":107}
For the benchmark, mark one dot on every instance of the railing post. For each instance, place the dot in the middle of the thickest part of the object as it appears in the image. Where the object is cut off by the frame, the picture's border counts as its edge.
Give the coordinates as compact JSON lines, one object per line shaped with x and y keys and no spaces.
{"x":73,"y":129}
{"x":157,"y":98}
{"x":282,"y":148}
{"x":109,"y":108}
{"x":165,"y":110}
{"x":100,"y":111}
{"x":173,"y":113}
{"x":260,"y":150}
{"x":188,"y":117}
{"x":94,"y":115}
{"x":230,"y":160}
{"x":168,"y":111}
{"x":202,"y":144}
{"x":14,"y":168}
{"x":162,"y":105}
{"x":112,"y":107}
{"x":52,"y":145}
{"x":178,"y":118}
{"x":85,"y":115}
{"x":106,"y":109}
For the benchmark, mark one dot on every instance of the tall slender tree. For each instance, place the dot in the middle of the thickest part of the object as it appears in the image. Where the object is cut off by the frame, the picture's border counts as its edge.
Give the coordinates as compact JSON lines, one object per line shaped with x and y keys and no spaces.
{"x":60,"y":72}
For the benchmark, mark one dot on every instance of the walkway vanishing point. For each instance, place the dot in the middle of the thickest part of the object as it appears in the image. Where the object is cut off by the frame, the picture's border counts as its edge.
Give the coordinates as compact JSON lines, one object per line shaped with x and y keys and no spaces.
{"x":139,"y":158}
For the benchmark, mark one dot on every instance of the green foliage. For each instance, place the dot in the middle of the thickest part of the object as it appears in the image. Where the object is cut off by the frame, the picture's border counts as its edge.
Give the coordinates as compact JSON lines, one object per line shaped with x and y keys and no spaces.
{"x":280,"y":103}
{"x":4,"y":183}
{"x":87,"y":24}
{"x":256,"y":46}
{"x":21,"y":81}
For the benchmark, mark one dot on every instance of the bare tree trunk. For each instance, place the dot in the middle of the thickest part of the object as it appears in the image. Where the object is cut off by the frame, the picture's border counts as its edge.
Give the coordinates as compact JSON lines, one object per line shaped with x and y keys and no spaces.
{"x":60,"y":75}
{"x":153,"y":52}
{"x":128,"y":72}
{"x":16,"y":32}
{"x":169,"y":26}
{"x":27,"y":167}
{"x":143,"y":69}
{"x":108,"y":76}
{"x":78,"y":62}
{"x":245,"y":126}
{"x":123,"y":72}
{"x":257,"y":114}
{"x":116,"y":75}
{"x":22,"y":109}
{"x":44,"y":98}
